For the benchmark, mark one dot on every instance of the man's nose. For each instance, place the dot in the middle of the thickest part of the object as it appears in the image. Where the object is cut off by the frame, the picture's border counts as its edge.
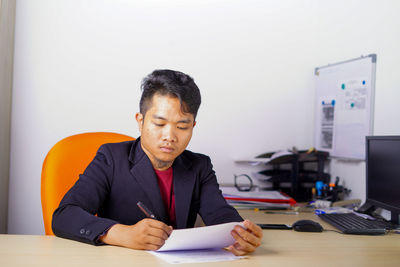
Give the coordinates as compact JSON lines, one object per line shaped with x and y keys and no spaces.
{"x":169,"y":134}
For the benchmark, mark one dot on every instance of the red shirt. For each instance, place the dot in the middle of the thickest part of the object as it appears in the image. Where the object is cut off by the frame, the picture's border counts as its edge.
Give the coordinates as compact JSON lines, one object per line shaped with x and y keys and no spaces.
{"x":165,"y":182}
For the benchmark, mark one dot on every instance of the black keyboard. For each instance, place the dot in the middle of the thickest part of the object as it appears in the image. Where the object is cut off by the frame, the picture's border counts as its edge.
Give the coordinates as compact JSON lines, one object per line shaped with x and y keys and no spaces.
{"x":349,"y":223}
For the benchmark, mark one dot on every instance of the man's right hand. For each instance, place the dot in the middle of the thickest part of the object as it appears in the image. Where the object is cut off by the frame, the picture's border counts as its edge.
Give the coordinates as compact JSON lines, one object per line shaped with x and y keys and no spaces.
{"x":147,"y":234}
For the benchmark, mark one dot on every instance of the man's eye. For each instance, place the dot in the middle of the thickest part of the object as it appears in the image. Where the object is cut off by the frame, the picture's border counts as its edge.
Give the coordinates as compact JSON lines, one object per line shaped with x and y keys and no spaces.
{"x":158,"y":124}
{"x":182,"y":128}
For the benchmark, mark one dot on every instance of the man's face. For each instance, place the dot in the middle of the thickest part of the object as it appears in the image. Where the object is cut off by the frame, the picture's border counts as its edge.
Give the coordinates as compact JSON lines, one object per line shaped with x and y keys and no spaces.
{"x":165,"y":130}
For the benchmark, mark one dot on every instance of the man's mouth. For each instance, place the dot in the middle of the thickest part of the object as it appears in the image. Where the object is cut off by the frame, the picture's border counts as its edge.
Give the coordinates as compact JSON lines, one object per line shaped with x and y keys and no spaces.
{"x":167,"y":149}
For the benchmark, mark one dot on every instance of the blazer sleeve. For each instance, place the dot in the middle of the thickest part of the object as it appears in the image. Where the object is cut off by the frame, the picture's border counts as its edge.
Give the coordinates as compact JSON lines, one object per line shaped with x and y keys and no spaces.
{"x":213,"y":207}
{"x":75,"y":217}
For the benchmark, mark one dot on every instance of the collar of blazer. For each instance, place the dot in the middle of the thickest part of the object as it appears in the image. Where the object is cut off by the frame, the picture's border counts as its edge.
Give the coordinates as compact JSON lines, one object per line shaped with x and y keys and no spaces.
{"x":184,"y":180}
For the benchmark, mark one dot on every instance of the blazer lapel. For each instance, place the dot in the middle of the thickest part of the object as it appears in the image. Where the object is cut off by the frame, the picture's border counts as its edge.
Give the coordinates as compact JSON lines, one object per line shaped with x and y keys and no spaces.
{"x":184,"y":181}
{"x":144,"y":174}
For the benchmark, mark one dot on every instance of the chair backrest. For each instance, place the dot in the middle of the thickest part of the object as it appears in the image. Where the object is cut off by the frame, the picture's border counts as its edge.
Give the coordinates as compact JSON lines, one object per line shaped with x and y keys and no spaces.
{"x":63,"y":164}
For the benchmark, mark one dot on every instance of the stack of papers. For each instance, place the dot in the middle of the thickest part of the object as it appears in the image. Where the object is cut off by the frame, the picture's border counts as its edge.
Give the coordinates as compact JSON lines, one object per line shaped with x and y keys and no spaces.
{"x":201,"y":244}
{"x":256,"y":199}
{"x":193,"y":256}
{"x":215,"y":236}
{"x":258,"y":161}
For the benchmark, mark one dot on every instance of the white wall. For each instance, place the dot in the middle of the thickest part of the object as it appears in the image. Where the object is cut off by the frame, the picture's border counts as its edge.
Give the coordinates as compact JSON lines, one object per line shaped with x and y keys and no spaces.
{"x":79,"y":64}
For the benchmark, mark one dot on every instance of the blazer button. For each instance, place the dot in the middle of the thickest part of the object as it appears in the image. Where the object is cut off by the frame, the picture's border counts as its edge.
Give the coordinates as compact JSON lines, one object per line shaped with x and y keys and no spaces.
{"x":88,"y":232}
{"x":82,"y":231}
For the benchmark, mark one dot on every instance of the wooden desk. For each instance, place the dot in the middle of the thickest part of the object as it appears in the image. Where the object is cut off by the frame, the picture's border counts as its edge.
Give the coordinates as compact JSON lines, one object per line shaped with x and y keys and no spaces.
{"x":279,"y":248}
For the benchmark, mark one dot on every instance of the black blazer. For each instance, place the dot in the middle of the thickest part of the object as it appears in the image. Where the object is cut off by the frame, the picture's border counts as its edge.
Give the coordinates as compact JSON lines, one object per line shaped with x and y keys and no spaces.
{"x":120,"y":175}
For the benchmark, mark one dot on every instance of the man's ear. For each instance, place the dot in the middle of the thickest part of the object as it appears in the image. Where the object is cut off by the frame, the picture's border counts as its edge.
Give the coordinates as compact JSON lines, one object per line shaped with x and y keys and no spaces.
{"x":194,"y":123}
{"x":139,"y":119}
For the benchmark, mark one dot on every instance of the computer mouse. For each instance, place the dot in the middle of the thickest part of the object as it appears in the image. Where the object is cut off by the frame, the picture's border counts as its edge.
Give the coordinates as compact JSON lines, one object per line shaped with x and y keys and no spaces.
{"x":307,"y":226}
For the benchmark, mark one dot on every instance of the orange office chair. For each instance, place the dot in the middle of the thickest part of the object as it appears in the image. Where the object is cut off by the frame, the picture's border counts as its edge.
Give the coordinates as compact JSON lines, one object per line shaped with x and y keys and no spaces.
{"x":63,"y":164}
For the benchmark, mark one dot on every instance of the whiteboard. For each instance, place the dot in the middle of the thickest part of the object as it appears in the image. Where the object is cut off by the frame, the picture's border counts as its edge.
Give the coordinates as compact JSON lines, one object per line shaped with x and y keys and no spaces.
{"x":344,"y":106}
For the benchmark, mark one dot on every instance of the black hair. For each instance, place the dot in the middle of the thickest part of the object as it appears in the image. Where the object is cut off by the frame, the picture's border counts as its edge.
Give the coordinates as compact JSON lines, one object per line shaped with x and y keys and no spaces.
{"x":171,"y":83}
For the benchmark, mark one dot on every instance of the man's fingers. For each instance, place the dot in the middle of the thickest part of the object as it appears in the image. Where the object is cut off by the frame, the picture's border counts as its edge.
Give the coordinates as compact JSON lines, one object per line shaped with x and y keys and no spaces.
{"x":236,"y":251}
{"x":242,"y":243}
{"x":151,"y":247}
{"x":153,"y":240}
{"x":248,"y":236}
{"x":247,"y":240}
{"x":158,"y":225}
{"x":157,"y":233}
{"x":254,"y":228}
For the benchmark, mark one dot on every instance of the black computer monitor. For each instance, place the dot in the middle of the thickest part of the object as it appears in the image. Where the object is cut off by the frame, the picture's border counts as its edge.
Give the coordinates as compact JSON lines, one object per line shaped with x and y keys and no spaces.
{"x":383,"y":175}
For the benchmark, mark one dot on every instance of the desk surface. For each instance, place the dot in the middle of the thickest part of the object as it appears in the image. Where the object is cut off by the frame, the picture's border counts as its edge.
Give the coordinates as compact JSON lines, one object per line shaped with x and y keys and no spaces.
{"x":279,"y":248}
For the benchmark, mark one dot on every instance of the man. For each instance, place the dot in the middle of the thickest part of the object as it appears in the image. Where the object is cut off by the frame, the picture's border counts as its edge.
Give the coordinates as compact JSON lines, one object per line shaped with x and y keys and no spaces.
{"x":155,"y":169}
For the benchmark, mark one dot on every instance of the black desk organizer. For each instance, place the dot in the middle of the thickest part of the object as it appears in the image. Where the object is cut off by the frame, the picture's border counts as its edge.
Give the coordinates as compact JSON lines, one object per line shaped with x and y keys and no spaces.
{"x":290,"y":175}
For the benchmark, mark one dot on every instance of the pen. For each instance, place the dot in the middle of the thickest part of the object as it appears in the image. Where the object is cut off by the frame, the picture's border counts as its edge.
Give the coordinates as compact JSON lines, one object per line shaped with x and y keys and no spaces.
{"x":146,"y":211}
{"x":282,"y":212}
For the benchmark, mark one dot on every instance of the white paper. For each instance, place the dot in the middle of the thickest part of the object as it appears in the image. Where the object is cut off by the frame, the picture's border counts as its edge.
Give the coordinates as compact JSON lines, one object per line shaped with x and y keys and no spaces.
{"x":233,"y":192}
{"x":257,"y":161}
{"x":193,"y":256}
{"x":215,"y":236}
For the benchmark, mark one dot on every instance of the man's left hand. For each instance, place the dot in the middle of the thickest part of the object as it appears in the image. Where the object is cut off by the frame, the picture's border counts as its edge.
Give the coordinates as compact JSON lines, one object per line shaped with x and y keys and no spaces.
{"x":247,"y":240}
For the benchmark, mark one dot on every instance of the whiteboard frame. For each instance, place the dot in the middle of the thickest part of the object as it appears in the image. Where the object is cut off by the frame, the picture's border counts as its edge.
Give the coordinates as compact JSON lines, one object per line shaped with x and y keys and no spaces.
{"x":370,"y":104}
